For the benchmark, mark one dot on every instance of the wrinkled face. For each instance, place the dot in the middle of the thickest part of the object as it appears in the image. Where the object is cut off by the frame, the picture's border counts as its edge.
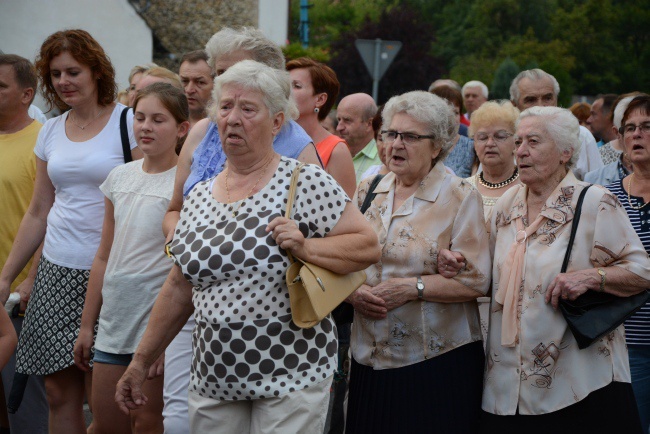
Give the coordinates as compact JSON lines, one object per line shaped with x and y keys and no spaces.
{"x":11,"y":95}
{"x":196,"y":78}
{"x":229,"y":59}
{"x":303,"y":91}
{"x":351,"y":125}
{"x":598,"y":122}
{"x":329,"y":124}
{"x":155,"y":128}
{"x":73,"y":82}
{"x":132,"y":87}
{"x":536,"y":93}
{"x":473,"y":98}
{"x":415,"y":160}
{"x":245,"y":125}
{"x":495,"y":144}
{"x":538,"y":157}
{"x":637,"y":143}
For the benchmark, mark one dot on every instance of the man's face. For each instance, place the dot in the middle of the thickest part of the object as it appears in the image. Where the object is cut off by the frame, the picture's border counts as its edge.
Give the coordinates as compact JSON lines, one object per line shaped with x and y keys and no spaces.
{"x":536,"y":93}
{"x":598,"y":122}
{"x":11,"y":94}
{"x":196,"y":78}
{"x":473,"y":98}
{"x":351,"y":125}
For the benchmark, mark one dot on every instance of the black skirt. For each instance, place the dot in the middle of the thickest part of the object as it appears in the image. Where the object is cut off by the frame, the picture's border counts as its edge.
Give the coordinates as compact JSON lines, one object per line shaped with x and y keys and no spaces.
{"x":441,"y":395}
{"x":611,"y":409}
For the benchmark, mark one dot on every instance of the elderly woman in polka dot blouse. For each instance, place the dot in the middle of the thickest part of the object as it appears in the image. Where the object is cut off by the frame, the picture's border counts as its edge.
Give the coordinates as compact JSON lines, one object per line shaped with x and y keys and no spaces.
{"x":252,"y":367}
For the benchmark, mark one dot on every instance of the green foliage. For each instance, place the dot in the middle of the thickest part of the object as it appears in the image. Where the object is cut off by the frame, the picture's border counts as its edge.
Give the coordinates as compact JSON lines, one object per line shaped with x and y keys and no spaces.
{"x":590,"y":46}
{"x":296,"y":50}
{"x":503,"y":77}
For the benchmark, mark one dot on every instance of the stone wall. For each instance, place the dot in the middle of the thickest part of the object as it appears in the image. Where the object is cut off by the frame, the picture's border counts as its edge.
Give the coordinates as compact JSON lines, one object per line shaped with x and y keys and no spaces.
{"x":180,"y":26}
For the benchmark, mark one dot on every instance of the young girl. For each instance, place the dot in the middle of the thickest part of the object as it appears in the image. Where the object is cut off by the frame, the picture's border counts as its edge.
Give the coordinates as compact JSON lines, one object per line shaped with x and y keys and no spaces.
{"x":130,"y":266}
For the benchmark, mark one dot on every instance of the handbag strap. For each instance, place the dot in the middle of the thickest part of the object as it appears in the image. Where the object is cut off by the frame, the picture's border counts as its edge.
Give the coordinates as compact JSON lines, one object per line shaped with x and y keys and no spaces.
{"x":371,"y":194}
{"x":574,"y":228}
{"x":293,"y":185}
{"x":124,"y":134}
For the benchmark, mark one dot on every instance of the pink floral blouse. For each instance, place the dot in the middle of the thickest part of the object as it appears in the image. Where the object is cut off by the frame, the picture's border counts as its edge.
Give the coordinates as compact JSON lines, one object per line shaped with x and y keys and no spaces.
{"x":445,"y":212}
{"x":545,"y":371}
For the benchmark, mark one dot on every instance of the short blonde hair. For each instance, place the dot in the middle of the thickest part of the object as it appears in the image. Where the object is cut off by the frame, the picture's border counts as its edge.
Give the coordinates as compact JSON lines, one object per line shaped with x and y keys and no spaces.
{"x":164,"y":73}
{"x":491,"y":112}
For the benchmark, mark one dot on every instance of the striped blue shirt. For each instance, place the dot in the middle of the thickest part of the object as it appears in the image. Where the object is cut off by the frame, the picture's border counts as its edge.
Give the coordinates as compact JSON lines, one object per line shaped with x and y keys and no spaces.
{"x":637,"y":327}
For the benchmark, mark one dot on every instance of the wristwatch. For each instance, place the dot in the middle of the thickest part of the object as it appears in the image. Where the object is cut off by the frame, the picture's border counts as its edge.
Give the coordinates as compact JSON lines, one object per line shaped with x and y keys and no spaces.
{"x":602,"y":274}
{"x":420,"y":287}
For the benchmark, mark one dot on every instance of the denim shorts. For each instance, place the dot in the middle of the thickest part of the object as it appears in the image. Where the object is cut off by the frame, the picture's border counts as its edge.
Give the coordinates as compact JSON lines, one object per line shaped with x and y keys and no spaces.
{"x":112,"y":359}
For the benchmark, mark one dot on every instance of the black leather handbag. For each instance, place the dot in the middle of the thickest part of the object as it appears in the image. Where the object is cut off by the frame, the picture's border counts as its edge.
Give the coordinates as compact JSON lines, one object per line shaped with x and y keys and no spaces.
{"x":594,"y":314}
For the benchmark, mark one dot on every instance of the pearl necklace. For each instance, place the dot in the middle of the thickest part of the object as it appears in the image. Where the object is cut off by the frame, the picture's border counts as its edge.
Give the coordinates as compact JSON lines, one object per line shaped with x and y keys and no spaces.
{"x":241,"y":202}
{"x":91,"y":121}
{"x":629,"y":190}
{"x":494,"y":186}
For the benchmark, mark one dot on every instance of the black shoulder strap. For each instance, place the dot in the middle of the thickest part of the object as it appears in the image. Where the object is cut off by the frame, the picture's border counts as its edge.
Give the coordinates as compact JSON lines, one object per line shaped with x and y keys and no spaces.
{"x":124,"y":133}
{"x":574,"y":228}
{"x":371,"y":194}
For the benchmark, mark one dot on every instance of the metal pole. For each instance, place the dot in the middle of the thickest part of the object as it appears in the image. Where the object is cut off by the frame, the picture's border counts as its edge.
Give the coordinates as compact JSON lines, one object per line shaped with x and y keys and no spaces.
{"x":375,"y":70}
{"x":304,"y":22}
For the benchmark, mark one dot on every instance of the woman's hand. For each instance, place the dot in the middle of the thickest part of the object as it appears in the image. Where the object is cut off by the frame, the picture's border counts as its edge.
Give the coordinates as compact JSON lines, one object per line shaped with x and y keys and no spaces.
{"x":82,"y":349}
{"x":128,"y":394}
{"x":395,"y":292}
{"x":286,"y":234}
{"x":158,"y":368}
{"x":570,"y":286}
{"x":450,"y":263}
{"x":367,"y":304}
{"x":25,"y":291}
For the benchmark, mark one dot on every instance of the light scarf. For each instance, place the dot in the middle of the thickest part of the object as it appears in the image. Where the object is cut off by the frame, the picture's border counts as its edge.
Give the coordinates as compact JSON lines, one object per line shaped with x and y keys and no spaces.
{"x":508,"y":293}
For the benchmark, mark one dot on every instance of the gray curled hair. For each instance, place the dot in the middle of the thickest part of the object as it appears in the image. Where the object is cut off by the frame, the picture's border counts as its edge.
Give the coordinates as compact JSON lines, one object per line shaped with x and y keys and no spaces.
{"x":436,"y":113}
{"x":273,"y":84}
{"x":561,"y":125}
{"x":249,"y":39}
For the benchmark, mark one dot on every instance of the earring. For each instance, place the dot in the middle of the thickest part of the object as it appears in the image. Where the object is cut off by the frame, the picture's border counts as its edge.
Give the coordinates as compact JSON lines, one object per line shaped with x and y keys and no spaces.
{"x":316,"y":110}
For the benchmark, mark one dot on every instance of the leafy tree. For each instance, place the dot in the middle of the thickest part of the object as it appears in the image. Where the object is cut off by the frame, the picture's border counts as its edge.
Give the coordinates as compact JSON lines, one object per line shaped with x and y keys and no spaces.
{"x":414,"y":67}
{"x":503,"y":77}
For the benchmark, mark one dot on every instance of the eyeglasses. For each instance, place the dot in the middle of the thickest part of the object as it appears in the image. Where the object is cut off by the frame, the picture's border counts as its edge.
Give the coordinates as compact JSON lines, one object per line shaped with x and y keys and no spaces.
{"x":498,"y":137}
{"x":631,"y":128}
{"x":407,"y":138}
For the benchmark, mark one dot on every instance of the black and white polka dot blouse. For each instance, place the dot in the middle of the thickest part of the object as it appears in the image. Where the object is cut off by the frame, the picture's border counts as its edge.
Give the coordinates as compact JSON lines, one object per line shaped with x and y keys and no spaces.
{"x":245,"y":344}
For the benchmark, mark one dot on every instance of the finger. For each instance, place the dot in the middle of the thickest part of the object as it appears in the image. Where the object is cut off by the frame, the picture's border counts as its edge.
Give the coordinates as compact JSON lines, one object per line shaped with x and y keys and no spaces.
{"x":276,"y":222}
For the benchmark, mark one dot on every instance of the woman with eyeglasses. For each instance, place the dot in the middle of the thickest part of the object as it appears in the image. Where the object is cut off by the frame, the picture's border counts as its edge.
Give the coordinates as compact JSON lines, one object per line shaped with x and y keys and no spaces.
{"x":633,"y":192}
{"x":416,"y":339}
{"x":493,"y":129}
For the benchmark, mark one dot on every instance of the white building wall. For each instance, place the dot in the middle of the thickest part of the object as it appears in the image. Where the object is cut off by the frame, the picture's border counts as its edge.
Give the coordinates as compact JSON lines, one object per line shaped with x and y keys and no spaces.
{"x":126,"y":38}
{"x":273,"y":19}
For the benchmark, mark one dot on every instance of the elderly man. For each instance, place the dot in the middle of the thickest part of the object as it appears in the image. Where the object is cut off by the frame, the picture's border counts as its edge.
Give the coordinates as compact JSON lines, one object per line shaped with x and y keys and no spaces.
{"x":600,"y":118}
{"x":475,"y":93}
{"x":18,"y":133}
{"x":197,"y":78}
{"x":535,"y":87}
{"x":355,"y":113}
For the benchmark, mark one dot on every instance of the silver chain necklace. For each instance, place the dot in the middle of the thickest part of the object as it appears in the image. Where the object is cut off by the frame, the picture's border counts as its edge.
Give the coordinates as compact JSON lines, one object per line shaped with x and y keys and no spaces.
{"x":83,"y":127}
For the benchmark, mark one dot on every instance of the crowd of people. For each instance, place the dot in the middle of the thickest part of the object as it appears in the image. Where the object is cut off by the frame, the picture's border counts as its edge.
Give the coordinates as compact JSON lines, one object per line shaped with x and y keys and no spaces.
{"x":145,"y":242}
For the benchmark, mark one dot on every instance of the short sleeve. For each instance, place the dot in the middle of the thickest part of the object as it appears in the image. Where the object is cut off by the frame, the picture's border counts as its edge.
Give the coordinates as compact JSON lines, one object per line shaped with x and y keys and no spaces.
{"x":129,"y":126}
{"x":107,"y":186}
{"x":42,"y":149}
{"x":319,"y":202}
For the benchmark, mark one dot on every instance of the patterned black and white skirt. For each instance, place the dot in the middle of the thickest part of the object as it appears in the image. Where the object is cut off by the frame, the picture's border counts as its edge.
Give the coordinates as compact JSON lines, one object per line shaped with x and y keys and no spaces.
{"x":52,"y":320}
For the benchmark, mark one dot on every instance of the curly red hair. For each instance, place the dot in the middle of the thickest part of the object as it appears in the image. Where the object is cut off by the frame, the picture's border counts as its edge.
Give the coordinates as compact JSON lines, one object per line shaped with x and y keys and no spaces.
{"x":85,"y":50}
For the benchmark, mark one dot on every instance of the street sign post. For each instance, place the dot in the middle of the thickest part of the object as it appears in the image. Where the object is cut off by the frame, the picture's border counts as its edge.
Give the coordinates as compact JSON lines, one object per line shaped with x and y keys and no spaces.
{"x":377,"y":55}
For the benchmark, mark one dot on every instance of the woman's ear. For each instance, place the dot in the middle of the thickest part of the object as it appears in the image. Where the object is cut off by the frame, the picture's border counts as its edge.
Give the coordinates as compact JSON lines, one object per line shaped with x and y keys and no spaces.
{"x":321,"y":99}
{"x":278,"y":121}
{"x":183,"y":129}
